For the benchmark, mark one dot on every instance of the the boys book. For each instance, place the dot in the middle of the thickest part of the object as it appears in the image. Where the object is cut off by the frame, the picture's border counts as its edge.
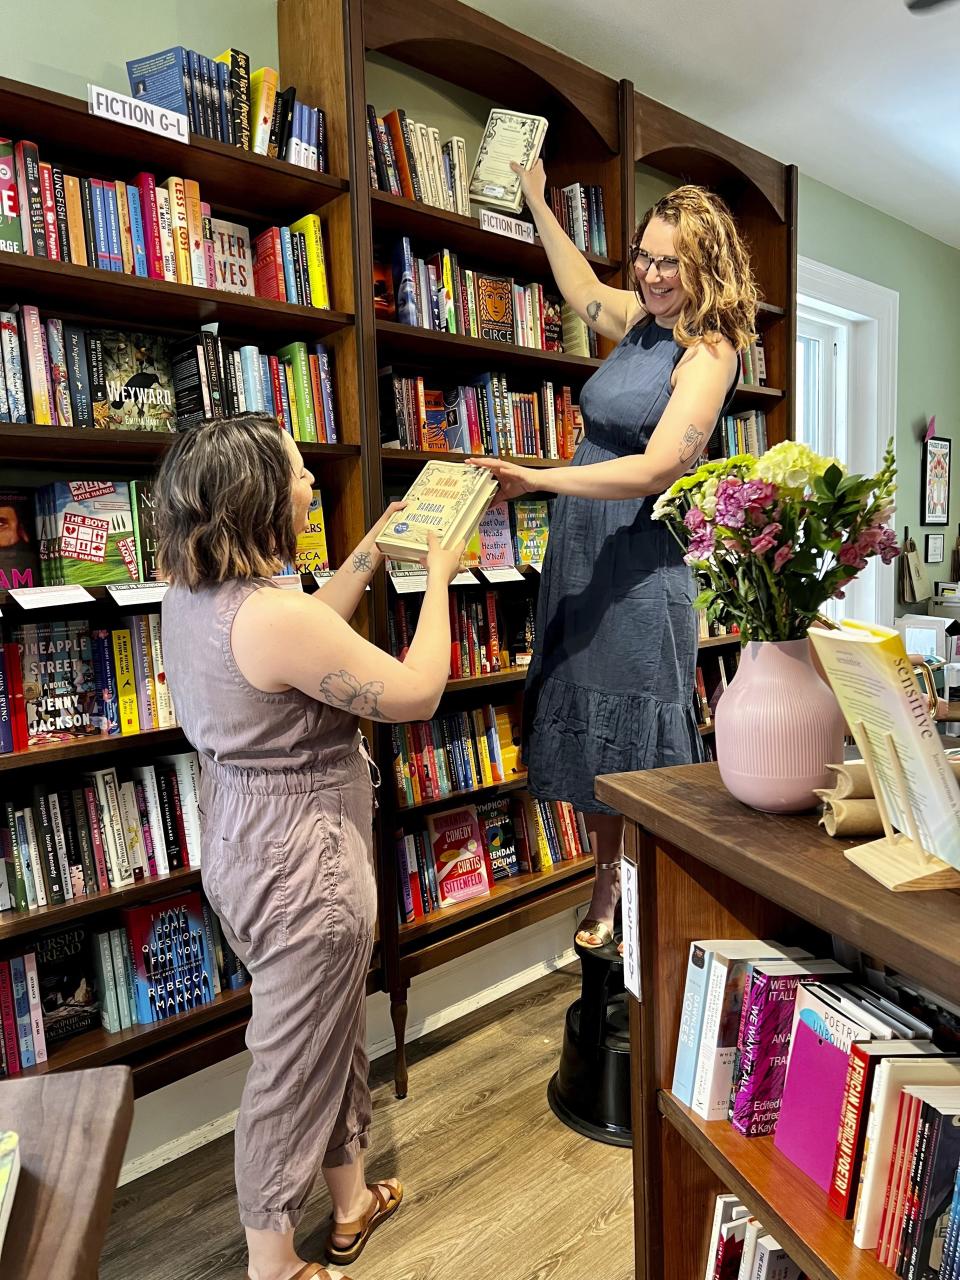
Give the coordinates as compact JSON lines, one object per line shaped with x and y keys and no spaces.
{"x":19,"y":554}
{"x":66,"y":976}
{"x":139,"y":381}
{"x":447,"y":498}
{"x":172,"y":964}
{"x":461,"y":861}
{"x":92,"y":531}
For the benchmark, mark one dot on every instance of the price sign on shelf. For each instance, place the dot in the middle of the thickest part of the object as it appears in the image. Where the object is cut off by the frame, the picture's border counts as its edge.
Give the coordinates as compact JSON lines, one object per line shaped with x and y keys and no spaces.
{"x":124,"y":593}
{"x":50,"y":597}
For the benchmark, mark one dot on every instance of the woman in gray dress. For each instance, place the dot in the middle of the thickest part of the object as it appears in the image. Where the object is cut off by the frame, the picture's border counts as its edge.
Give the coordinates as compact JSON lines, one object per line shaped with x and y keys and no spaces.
{"x":611,"y":683}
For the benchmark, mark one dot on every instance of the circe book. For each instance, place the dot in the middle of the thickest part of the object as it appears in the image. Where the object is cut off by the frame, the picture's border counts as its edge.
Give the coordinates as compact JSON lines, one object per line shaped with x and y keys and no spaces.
{"x":448,"y":499}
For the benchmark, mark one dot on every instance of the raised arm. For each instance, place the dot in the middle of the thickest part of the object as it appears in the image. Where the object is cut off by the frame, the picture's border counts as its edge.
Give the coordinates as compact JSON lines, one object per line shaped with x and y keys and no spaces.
{"x":702,"y":379}
{"x":611,"y":312}
{"x":283,"y":640}
{"x":345,"y":589}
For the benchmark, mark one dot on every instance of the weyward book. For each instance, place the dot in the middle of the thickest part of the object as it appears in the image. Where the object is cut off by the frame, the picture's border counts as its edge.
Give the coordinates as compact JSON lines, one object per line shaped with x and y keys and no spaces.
{"x":448,"y":499}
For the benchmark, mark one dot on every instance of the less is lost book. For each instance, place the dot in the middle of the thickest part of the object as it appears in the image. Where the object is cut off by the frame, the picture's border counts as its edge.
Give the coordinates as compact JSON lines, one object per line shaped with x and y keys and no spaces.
{"x":448,"y":499}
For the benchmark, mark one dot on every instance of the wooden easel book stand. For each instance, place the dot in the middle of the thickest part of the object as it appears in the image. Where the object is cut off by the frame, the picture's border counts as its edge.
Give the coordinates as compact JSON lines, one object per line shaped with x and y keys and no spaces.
{"x":898,"y":860}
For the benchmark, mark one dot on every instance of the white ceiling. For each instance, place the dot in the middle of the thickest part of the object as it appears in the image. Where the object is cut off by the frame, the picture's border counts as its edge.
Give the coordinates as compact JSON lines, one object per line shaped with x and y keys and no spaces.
{"x":860,"y":94}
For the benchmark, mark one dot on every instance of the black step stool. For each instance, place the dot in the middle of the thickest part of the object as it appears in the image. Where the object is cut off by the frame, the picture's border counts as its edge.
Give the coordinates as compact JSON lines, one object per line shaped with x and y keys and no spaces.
{"x":590,"y":1092}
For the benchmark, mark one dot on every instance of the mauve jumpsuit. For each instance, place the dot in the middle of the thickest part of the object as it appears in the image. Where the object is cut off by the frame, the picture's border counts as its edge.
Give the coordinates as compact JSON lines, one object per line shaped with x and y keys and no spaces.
{"x":287,"y":864}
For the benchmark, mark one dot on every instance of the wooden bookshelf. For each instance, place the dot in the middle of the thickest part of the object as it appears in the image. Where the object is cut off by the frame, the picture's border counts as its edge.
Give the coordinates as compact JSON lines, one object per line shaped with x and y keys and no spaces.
{"x":719,"y":642}
{"x":413,"y":459}
{"x":516,"y":675}
{"x":466,"y":796}
{"x":408,"y":342}
{"x":256,"y":191}
{"x":711,"y":868}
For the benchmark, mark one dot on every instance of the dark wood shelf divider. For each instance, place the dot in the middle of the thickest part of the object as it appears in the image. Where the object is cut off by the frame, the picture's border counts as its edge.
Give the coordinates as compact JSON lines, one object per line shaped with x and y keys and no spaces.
{"x":406,"y":341}
{"x":96,"y":745}
{"x":493,"y":788}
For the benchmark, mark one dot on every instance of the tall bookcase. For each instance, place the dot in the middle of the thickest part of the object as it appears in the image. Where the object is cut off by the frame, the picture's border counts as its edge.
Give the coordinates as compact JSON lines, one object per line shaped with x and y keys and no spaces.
{"x":599,"y":129}
{"x":258,"y":192}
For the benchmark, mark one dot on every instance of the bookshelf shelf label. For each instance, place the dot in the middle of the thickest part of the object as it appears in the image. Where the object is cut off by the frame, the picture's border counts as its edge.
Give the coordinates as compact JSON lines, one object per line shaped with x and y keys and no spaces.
{"x":125,"y":593}
{"x":507,"y":574}
{"x":501,"y":225}
{"x":465,"y":579}
{"x":630,"y":898}
{"x":289,"y":581}
{"x":50,"y":597}
{"x":121,"y":109}
{"x":408,"y":581}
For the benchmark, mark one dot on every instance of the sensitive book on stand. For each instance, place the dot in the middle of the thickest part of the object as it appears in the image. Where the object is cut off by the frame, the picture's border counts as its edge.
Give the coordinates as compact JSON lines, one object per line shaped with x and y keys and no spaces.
{"x":446,"y":498}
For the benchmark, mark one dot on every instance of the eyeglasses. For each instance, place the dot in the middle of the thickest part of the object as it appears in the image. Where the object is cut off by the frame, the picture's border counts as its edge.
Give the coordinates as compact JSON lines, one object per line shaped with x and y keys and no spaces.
{"x":667,"y":268}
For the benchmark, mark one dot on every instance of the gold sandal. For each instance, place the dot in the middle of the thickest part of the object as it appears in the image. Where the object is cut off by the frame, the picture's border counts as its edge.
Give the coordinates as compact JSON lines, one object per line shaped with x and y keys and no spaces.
{"x":383,"y":1207}
{"x":596,"y":928}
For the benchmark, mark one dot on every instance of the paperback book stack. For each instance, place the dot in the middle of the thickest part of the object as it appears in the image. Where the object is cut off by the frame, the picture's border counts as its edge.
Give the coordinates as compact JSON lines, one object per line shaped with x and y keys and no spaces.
{"x":103,"y":830}
{"x":462,"y":852}
{"x":485,"y":417}
{"x":740,"y":1248}
{"x":214,"y":378}
{"x":579,"y":210}
{"x":439,"y":293}
{"x":406,"y":158}
{"x":856,"y":1077}
{"x":225,"y":101}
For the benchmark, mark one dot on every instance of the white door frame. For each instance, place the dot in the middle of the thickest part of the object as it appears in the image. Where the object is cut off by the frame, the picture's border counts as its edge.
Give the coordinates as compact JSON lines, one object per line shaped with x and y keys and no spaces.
{"x":873,"y":311}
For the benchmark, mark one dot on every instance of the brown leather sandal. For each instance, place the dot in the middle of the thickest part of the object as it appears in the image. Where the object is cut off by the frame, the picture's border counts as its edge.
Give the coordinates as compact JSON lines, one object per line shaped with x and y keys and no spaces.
{"x":383,"y":1207}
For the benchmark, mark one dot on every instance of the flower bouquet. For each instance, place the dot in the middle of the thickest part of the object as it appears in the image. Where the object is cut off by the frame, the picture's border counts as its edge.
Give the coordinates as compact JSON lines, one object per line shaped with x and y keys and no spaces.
{"x":772,"y":539}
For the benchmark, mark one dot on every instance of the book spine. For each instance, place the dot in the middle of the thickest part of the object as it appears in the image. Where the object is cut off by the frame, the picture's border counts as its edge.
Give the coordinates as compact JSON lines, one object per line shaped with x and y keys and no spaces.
{"x":124,"y":1006}
{"x":13,"y":367}
{"x":763,"y":1056}
{"x":113,"y":814}
{"x":36,"y":1008}
{"x":60,"y":212}
{"x":61,"y":848}
{"x":21,"y":1003}
{"x":179,"y":228}
{"x":8,"y":1019}
{"x":164,"y":218}
{"x":844,"y":1180}
{"x":126,"y":233}
{"x":49,"y":861}
{"x":153,"y":242}
{"x":94,"y":824}
{"x":84,"y":841}
{"x":126,"y":682}
{"x":106,"y":983}
{"x":195,"y":248}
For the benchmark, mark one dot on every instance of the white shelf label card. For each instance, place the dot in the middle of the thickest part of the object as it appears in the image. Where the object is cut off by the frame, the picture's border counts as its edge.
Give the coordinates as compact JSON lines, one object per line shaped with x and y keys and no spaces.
{"x":322,"y":576}
{"x":630,"y":909}
{"x":124,"y":593}
{"x":509,"y":573}
{"x":136,"y":112}
{"x":465,"y":579}
{"x":50,"y":597}
{"x":409,"y":583}
{"x":289,"y":581}
{"x":503,"y":225}
{"x":537,"y":565}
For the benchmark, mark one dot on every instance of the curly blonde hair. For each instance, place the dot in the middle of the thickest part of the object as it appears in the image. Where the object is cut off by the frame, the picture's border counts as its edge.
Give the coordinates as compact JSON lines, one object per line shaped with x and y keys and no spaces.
{"x":715,"y":268}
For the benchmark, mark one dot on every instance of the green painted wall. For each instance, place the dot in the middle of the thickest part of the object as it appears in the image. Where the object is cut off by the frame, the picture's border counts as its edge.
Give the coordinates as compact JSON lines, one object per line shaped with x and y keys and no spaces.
{"x":66,"y":44}
{"x":844,"y":233}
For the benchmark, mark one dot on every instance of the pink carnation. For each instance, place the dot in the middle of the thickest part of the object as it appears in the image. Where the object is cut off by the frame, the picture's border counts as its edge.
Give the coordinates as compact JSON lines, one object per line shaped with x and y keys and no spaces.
{"x":731,"y":504}
{"x":765,"y":541}
{"x":701,"y":545}
{"x":694,"y":519}
{"x":783,"y":556}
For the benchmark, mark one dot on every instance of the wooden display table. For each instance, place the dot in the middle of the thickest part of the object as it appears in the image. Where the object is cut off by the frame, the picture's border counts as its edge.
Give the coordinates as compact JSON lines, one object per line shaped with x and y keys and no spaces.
{"x":710,"y":868}
{"x":73,"y":1129}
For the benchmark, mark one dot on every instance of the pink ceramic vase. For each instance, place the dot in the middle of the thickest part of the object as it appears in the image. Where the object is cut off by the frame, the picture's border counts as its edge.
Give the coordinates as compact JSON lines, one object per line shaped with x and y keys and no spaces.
{"x":778,"y":726}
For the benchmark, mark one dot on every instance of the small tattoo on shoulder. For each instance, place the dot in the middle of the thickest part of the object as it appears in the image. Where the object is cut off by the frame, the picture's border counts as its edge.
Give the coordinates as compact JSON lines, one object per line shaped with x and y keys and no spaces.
{"x":691,"y":444}
{"x":362,"y":562}
{"x":343,"y":690}
{"x":593,"y":310}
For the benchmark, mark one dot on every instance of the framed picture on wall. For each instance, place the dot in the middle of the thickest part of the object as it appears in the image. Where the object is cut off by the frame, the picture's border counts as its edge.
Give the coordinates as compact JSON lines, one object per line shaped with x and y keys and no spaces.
{"x":935,"y":501}
{"x":934,"y":549}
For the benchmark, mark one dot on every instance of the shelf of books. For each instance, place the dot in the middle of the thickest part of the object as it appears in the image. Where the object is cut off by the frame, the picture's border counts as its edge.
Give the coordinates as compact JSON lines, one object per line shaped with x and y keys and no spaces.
{"x":235,"y":256}
{"x":804,"y":1090}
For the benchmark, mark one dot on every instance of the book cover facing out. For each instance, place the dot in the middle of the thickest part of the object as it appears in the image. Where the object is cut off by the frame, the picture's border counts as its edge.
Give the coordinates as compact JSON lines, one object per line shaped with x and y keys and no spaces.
{"x":93,"y":531}
{"x":67,"y":990}
{"x":19,"y":553}
{"x":171,"y":961}
{"x":448,"y":499}
{"x":459,"y":856}
{"x":139,"y":381}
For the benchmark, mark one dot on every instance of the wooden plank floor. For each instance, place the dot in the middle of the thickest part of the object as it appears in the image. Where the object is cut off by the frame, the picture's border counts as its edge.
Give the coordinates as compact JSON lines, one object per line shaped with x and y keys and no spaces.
{"x":496,"y":1186}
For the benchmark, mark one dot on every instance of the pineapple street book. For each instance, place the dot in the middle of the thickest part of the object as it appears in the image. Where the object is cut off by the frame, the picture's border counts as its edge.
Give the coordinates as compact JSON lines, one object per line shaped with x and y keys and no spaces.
{"x":61,"y":698}
{"x":448,"y":498}
{"x":19,"y":554}
{"x":139,"y":380}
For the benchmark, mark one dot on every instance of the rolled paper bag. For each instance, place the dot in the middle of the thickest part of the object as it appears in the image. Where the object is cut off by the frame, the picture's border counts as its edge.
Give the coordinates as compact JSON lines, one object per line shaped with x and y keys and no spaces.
{"x":848,"y":818}
{"x":853,"y":781}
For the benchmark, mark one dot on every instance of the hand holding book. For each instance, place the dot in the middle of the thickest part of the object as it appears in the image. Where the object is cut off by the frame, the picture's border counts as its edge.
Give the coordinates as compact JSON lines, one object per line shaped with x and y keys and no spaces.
{"x":514,"y":481}
{"x":533,"y":183}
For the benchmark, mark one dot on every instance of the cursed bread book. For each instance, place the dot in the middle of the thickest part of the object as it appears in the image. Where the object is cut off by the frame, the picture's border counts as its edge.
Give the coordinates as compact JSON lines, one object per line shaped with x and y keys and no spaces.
{"x":448,"y":499}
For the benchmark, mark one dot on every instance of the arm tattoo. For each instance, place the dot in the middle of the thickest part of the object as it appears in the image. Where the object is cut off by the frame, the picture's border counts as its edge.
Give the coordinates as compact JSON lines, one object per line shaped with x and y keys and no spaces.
{"x":343,"y":690}
{"x":691,"y":444}
{"x":362,"y":562}
{"x":593,"y":310}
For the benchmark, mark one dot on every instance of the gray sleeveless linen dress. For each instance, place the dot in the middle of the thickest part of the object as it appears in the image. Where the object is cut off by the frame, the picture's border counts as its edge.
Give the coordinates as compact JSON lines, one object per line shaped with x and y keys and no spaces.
{"x":611,"y":682}
{"x":287,"y":864}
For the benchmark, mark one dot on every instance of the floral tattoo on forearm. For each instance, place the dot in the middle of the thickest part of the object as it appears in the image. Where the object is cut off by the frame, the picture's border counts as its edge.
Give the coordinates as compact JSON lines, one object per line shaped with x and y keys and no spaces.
{"x":593,"y":310}
{"x":691,"y":444}
{"x":343,"y":690}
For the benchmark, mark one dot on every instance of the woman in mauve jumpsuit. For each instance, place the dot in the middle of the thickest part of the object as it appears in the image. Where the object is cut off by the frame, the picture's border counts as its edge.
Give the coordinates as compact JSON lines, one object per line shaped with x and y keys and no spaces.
{"x":269,"y":687}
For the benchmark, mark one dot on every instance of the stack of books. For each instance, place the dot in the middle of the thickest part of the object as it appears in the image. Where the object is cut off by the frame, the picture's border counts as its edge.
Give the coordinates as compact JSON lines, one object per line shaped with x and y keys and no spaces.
{"x":164,"y":958}
{"x":406,"y":158}
{"x":484,"y":417}
{"x":740,"y":1248}
{"x":857,"y":1080}
{"x":754,"y":364}
{"x":462,"y":852}
{"x":460,"y":751}
{"x":739,"y":433}
{"x":439,"y":293}
{"x":105,"y":830}
{"x":225,"y":101}
{"x":579,"y":210}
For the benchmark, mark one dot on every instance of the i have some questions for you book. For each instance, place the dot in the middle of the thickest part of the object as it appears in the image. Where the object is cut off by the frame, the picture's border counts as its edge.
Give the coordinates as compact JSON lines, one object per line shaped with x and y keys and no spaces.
{"x":448,"y":499}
